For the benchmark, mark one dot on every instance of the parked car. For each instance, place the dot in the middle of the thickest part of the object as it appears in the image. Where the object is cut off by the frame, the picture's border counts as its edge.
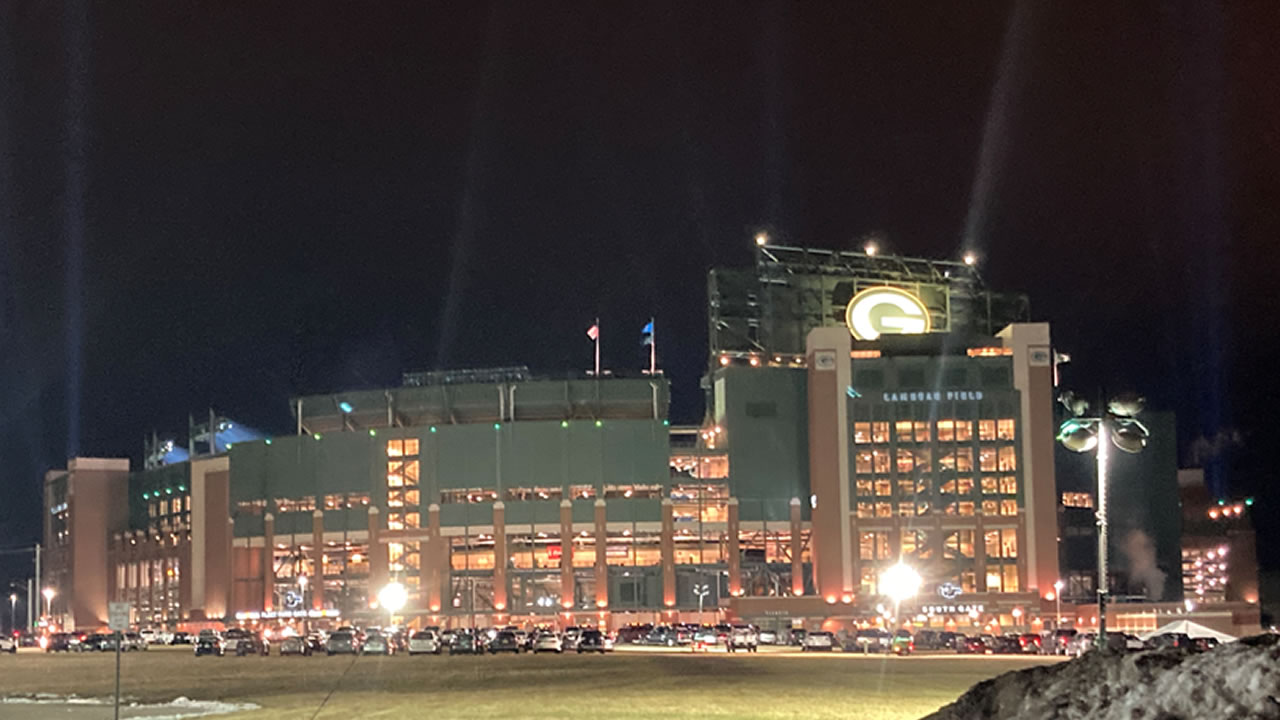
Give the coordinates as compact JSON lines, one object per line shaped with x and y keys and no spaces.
{"x":1133,"y":642}
{"x":743,"y":637}
{"x":818,"y":641}
{"x":133,"y":641}
{"x":58,"y":642}
{"x":902,"y":643}
{"x":9,"y":644}
{"x":232,"y":637}
{"x":209,"y":644}
{"x":504,"y":641}
{"x":594,"y":641}
{"x":251,"y":643}
{"x":570,"y":637}
{"x":972,"y":644}
{"x":182,"y":638}
{"x":1080,"y":644}
{"x":424,"y":641}
{"x":548,"y":642}
{"x":1029,"y":643}
{"x":634,"y":633}
{"x":767,"y":637}
{"x":1005,"y":645}
{"x":377,"y":644}
{"x":871,"y":640}
{"x":1055,"y":642}
{"x":342,"y":642}
{"x":928,"y":640}
{"x":1165,"y":640}
{"x":465,"y":643}
{"x":294,"y":645}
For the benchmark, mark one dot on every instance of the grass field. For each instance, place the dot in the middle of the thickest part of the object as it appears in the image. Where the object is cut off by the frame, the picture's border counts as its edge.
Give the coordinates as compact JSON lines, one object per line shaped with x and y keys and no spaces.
{"x":632,"y":685}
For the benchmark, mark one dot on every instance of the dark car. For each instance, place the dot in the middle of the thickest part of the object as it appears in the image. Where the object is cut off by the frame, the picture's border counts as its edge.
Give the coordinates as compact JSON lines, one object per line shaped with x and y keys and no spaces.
{"x":209,"y":645}
{"x":929,"y":640}
{"x":344,"y":642}
{"x":1029,"y":643}
{"x":505,"y":641}
{"x":972,"y":644}
{"x":1006,"y":645}
{"x":634,"y":633}
{"x":182,"y":638}
{"x":252,"y":643}
{"x":61,"y":642}
{"x":1164,"y":640}
{"x":295,"y":645}
{"x":592,"y":641}
{"x":871,"y":640}
{"x":465,"y":643}
{"x":1055,"y":642}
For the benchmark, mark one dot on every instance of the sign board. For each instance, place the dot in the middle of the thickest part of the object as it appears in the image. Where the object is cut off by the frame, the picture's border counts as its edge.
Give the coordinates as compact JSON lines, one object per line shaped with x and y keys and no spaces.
{"x":885,"y":310}
{"x":118,"y":616}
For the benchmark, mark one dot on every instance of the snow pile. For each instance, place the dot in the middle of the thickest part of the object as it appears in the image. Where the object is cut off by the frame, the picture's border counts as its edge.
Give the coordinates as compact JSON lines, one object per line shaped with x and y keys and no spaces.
{"x":1235,"y":681}
{"x":180,"y":708}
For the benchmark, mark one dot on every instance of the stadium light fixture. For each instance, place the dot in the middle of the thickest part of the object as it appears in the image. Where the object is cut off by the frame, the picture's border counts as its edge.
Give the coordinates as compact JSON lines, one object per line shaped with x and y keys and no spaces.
{"x":871,"y":248}
{"x":762,"y":239}
{"x":900,"y":582}
{"x":970,"y":258}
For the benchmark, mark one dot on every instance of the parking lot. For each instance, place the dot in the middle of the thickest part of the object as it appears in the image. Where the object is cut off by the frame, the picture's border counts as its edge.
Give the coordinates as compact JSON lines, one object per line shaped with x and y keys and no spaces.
{"x":628,"y":683}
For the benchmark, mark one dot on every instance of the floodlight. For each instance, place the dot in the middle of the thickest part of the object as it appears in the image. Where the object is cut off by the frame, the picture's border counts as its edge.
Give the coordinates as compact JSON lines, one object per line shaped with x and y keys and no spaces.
{"x":1129,"y":436}
{"x":1078,"y":436}
{"x":393,"y":597}
{"x":900,"y":582}
{"x":1126,"y":405}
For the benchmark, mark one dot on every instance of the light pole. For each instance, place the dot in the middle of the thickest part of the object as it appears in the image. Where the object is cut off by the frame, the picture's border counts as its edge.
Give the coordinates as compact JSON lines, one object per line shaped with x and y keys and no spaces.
{"x":1116,"y":423}
{"x":701,"y":590}
{"x":13,"y":610}
{"x":48,"y":602}
{"x":1057,"y":598}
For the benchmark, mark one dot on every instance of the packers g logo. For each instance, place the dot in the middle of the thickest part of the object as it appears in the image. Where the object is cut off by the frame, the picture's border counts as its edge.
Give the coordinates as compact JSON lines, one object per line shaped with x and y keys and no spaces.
{"x":886,"y":310}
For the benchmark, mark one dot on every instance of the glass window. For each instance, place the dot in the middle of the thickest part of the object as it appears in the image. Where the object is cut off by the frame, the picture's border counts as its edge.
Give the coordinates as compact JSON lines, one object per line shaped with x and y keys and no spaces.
{"x":991,"y":543}
{"x":906,"y":509}
{"x":1010,"y":573}
{"x":1009,"y":543}
{"x":884,"y":488}
{"x":862,"y":461}
{"x":986,"y":430}
{"x":964,"y":507}
{"x":958,"y":544}
{"x":922,"y":507}
{"x":990,"y":486}
{"x":946,"y":431}
{"x":863,"y":486}
{"x":865,"y":510}
{"x":1005,"y":429}
{"x":993,"y":578}
{"x":1008,"y":507}
{"x":884,"y":510}
{"x":906,"y":488}
{"x":902,"y":429}
{"x":582,"y":492}
{"x":964,"y":431}
{"x":990,"y":507}
{"x":880,"y":432}
{"x":882,"y":460}
{"x":906,"y":460}
{"x":987,"y":459}
{"x":862,"y":432}
{"x":1077,"y":499}
{"x":1009,"y":485}
{"x":869,"y":580}
{"x":922,"y":432}
{"x":1008,"y":458}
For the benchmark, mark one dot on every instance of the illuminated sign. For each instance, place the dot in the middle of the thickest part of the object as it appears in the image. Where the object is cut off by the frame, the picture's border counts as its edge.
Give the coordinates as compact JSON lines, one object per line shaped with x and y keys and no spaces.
{"x":932,"y":395}
{"x":949,"y":591}
{"x":886,"y":310}
{"x":952,"y":609}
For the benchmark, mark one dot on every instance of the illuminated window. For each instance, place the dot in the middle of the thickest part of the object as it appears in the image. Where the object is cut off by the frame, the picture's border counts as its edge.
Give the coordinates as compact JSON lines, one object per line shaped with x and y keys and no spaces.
{"x":958,"y":544}
{"x":862,"y":432}
{"x":964,"y":507}
{"x":1077,"y":499}
{"x":903,"y":430}
{"x":924,"y":460}
{"x":906,"y":488}
{"x":1010,"y":578}
{"x":993,"y":578}
{"x":884,"y":510}
{"x":863,"y":486}
{"x":964,"y":431}
{"x":1005,"y":429}
{"x":1009,"y":485}
{"x":882,"y":460}
{"x":862,"y":461}
{"x":922,"y":508}
{"x":865,"y":510}
{"x":922,"y":432}
{"x":1008,"y":458}
{"x":869,"y":580}
{"x":880,"y":432}
{"x":884,"y":488}
{"x":906,"y":509}
{"x":1008,"y":507}
{"x":582,"y":492}
{"x":987,"y":459}
{"x":986,"y":430}
{"x":990,"y":507}
{"x":906,"y":460}
{"x":990,"y":486}
{"x":946,"y":431}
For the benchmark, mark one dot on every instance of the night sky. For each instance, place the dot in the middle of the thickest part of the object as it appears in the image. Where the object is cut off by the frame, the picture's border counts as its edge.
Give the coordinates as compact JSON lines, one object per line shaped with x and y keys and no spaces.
{"x":204,"y":205}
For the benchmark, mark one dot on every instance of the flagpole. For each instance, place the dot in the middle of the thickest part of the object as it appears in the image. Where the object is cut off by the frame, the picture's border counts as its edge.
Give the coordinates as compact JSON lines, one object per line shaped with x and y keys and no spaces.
{"x":653,"y":349}
{"x":597,"y":341}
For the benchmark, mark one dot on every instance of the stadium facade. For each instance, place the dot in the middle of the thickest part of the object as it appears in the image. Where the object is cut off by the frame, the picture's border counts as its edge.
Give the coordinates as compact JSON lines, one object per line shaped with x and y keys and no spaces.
{"x":862,"y":411}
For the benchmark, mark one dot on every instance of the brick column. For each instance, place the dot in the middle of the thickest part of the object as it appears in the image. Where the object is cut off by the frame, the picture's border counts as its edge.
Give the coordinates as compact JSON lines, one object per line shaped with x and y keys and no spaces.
{"x":980,"y":556}
{"x":317,"y":559}
{"x":500,"y":556}
{"x":668,"y":545}
{"x":602,"y":550}
{"x":378,"y":562}
{"x":797,"y":566}
{"x":566,"y":554}
{"x":735,"y":552}
{"x":435,"y":558}
{"x":268,"y":561}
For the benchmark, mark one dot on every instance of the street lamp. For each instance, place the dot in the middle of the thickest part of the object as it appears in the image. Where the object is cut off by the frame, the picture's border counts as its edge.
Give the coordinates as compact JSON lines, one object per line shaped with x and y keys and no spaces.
{"x":13,"y":605}
{"x":1057,"y":598}
{"x":393,"y":597}
{"x":1080,"y":433}
{"x":701,"y":590}
{"x":48,"y":601}
{"x":900,"y":582}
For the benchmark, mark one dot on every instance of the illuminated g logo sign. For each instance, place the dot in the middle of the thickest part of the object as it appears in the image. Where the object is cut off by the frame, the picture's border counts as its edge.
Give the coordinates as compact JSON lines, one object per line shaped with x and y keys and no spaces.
{"x":886,"y":311}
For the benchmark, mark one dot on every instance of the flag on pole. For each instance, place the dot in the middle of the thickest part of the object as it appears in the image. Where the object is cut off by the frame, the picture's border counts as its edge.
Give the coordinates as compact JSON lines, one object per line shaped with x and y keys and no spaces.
{"x":646,"y":338}
{"x":646,"y":335}
{"x":593,"y":332}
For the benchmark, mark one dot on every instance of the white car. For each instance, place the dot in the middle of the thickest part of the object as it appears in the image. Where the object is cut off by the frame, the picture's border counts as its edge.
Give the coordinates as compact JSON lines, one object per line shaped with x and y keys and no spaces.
{"x":548,"y":642}
{"x":818,"y":641}
{"x":424,"y":641}
{"x":8,"y":644}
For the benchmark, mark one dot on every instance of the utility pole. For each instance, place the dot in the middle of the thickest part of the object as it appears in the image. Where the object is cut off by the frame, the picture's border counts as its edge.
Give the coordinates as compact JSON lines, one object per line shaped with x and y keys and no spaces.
{"x":38,"y":586}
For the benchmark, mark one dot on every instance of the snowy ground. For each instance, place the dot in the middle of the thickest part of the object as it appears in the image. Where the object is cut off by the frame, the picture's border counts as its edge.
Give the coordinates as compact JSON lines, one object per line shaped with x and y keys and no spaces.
{"x":1236,"y":681}
{"x":51,"y":707}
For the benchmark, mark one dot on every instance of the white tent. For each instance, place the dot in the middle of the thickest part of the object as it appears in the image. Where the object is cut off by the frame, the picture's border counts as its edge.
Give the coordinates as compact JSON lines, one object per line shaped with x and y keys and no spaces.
{"x":1190,"y":629}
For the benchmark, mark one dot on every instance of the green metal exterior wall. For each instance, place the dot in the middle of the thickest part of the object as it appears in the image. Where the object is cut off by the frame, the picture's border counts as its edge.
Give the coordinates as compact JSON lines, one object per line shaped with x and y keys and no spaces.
{"x":765,"y":416}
